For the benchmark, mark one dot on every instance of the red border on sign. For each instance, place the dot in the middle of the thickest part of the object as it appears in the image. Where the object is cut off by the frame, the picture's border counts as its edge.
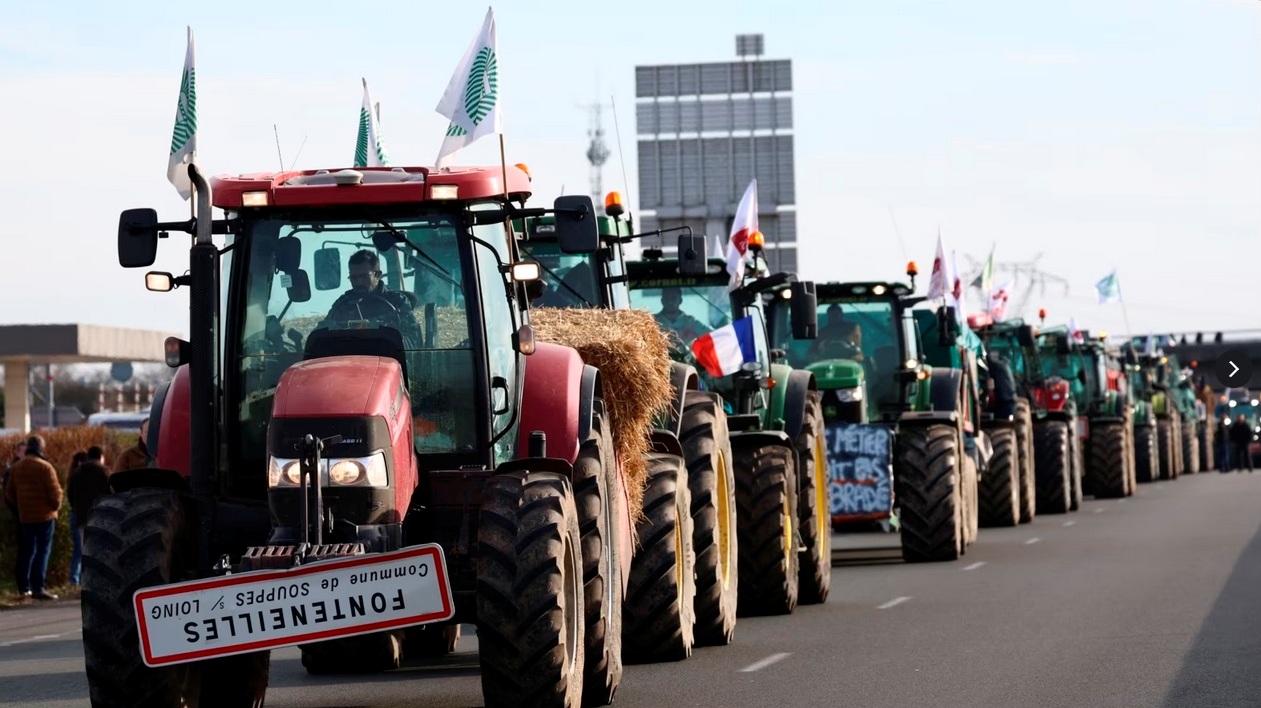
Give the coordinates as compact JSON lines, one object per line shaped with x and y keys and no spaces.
{"x":432,"y":550}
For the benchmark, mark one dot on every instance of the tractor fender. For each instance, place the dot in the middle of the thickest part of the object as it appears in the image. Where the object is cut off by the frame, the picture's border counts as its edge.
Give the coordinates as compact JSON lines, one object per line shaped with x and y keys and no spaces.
{"x":683,"y":378}
{"x":666,"y":441}
{"x":799,"y":385}
{"x":773,"y":415}
{"x":743,"y":443}
{"x":556,"y":399}
{"x":944,"y":387}
{"x":170,"y":423}
{"x":1061,"y":415}
{"x":150,"y":478}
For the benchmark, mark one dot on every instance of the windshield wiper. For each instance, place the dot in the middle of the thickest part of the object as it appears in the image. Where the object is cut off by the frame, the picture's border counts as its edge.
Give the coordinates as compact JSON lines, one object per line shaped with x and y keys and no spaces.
{"x":436,"y":267}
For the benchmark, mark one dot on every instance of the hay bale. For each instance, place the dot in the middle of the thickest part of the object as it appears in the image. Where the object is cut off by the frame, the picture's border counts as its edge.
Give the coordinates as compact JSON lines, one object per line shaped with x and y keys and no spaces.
{"x":633,"y":356}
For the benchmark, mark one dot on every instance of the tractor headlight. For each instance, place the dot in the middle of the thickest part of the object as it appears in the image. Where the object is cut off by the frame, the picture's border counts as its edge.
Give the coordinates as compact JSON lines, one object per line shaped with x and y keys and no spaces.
{"x":849,"y":395}
{"x":358,"y":472}
{"x":336,"y":472}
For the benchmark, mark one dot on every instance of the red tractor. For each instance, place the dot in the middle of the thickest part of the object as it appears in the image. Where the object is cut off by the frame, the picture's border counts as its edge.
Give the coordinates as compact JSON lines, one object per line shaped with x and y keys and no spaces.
{"x":355,"y":471}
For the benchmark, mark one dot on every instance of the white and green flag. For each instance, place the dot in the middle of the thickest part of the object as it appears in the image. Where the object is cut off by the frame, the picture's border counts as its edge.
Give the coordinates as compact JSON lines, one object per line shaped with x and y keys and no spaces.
{"x":1109,"y":288}
{"x":471,"y":100}
{"x":985,"y":281}
{"x":369,"y":148}
{"x":184,"y":138}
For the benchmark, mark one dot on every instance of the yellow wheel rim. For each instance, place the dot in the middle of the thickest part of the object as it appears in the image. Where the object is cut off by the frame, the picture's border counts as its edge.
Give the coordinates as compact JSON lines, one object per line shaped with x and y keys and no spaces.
{"x":678,"y":552}
{"x":788,"y":532}
{"x":724,"y":521}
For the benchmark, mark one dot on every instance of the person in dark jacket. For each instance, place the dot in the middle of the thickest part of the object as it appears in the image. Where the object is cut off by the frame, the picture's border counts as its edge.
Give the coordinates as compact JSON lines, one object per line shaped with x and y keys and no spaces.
{"x":364,"y":300}
{"x":34,"y":487}
{"x":137,"y":455}
{"x":1241,"y":441}
{"x":88,"y":482}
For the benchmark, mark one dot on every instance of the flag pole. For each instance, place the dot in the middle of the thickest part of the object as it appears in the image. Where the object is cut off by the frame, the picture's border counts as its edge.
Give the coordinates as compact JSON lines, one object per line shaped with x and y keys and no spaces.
{"x":1129,"y":334}
{"x":503,"y":164}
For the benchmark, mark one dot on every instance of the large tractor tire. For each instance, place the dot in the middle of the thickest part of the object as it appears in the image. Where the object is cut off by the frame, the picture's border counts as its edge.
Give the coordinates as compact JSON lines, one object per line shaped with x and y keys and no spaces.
{"x":1108,"y":460}
{"x":1000,"y":487}
{"x":134,"y":540}
{"x":711,"y":479}
{"x":766,"y":511}
{"x":1024,"y":446}
{"x":1146,"y":462}
{"x":1054,"y":465}
{"x":1207,"y":446}
{"x":431,"y":641}
{"x":659,"y":618}
{"x":814,"y":516}
{"x":1077,"y":476}
{"x":971,"y":501}
{"x":929,"y":486}
{"x":1190,"y":448}
{"x":594,"y":479}
{"x":1130,"y":461}
{"x":1165,"y":448}
{"x":530,"y":617}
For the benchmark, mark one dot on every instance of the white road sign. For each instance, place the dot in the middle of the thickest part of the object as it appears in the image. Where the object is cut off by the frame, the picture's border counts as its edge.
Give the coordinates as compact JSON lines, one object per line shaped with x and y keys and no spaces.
{"x":266,"y":609}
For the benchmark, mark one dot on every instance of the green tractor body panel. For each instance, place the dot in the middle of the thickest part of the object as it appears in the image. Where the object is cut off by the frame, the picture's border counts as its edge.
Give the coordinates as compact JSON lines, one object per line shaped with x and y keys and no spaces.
{"x":773,"y":415}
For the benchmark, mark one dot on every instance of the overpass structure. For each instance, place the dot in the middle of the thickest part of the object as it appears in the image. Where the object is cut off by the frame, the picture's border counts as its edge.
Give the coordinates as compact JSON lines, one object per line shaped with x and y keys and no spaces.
{"x":24,"y":345}
{"x":1200,"y":350}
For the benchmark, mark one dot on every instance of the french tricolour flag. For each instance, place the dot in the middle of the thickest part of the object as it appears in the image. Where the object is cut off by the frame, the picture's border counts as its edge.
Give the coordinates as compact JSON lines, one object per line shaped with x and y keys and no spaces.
{"x":724,"y":350}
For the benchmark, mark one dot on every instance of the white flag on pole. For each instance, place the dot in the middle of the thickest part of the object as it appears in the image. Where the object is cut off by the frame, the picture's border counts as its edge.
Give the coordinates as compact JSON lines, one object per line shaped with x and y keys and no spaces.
{"x":369,"y":148}
{"x":941,"y":282}
{"x":742,"y":228}
{"x":471,"y":100}
{"x":184,"y":137}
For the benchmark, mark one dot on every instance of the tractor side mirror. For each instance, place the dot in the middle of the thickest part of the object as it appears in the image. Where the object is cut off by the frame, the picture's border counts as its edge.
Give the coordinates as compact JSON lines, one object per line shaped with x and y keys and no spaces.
{"x":328,"y":269}
{"x":576,"y":228}
{"x":692,"y":260}
{"x":288,"y":254}
{"x":298,"y":286}
{"x":947,"y":327}
{"x":1024,"y":335}
{"x":805,"y":310}
{"x":137,"y":238}
{"x":498,"y":395}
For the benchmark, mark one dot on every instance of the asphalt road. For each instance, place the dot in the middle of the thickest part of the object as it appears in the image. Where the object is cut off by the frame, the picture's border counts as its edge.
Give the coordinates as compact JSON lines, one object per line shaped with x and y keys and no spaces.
{"x":1151,"y":601}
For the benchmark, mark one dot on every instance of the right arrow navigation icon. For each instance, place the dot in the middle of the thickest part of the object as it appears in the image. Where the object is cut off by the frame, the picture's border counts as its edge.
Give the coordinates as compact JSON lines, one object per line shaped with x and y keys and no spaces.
{"x":1233,"y":369}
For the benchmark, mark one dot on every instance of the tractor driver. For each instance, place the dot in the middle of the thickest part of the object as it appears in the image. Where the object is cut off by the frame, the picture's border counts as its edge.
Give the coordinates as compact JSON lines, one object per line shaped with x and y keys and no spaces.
{"x":673,"y":318}
{"x":369,"y":299}
{"x":839,"y":339}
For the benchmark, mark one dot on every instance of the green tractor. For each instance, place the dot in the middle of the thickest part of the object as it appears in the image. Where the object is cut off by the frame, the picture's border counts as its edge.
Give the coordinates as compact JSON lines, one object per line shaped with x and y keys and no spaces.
{"x":1012,"y":384}
{"x":695,"y":429}
{"x":903,"y":434}
{"x":774,"y":414}
{"x":1172,"y":397}
{"x":1110,"y":423}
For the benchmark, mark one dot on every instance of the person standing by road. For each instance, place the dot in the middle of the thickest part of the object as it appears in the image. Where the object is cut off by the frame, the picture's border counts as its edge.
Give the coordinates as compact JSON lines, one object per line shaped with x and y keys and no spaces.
{"x":137,"y":455}
{"x":1241,"y":441}
{"x":88,"y":482}
{"x":34,"y":488}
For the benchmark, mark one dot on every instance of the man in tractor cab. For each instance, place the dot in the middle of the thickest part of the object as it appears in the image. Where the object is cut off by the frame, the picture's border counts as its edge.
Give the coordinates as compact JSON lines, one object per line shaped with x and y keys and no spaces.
{"x":838,"y":339}
{"x":369,"y":299}
{"x":674,"y":319}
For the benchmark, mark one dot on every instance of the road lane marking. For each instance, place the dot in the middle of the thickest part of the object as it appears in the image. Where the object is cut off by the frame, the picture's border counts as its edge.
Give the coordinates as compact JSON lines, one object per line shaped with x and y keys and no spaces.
{"x":1100,"y":510}
{"x":893,"y":603}
{"x":1120,"y":501}
{"x":1032,"y":541}
{"x":36,"y":638}
{"x":1069,"y":523}
{"x":763,"y":663}
{"x":975,"y":565}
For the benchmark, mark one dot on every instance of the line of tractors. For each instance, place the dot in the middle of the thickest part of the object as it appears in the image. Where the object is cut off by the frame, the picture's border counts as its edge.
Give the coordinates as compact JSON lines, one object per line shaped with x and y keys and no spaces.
{"x":307,"y":423}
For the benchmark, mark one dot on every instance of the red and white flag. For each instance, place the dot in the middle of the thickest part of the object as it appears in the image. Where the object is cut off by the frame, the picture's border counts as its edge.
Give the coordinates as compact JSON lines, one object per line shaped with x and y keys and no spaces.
{"x":998,"y":301}
{"x":744,"y":226}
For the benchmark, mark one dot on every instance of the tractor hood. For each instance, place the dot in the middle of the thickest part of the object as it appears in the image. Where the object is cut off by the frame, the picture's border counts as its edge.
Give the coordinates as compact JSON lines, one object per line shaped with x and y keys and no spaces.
{"x":832,"y":374}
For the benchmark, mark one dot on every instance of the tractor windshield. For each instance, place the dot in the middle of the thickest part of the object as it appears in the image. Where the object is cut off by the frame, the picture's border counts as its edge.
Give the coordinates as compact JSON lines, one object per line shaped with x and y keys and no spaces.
{"x":685,"y":312}
{"x":303,"y":282}
{"x":864,"y":331}
{"x":570,"y":277}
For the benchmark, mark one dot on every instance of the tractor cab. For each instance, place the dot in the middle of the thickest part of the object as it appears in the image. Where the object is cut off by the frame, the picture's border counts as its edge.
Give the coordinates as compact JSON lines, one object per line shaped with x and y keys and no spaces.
{"x":595,"y":279}
{"x":379,"y":310}
{"x":866,"y":357}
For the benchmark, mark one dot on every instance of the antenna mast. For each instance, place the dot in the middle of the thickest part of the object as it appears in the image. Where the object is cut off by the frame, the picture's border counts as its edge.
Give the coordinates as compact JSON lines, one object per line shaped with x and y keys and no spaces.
{"x":597,"y":152}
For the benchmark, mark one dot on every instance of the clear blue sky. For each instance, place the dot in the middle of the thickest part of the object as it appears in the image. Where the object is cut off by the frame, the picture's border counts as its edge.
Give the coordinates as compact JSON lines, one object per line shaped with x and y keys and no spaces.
{"x":1096,"y":133}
